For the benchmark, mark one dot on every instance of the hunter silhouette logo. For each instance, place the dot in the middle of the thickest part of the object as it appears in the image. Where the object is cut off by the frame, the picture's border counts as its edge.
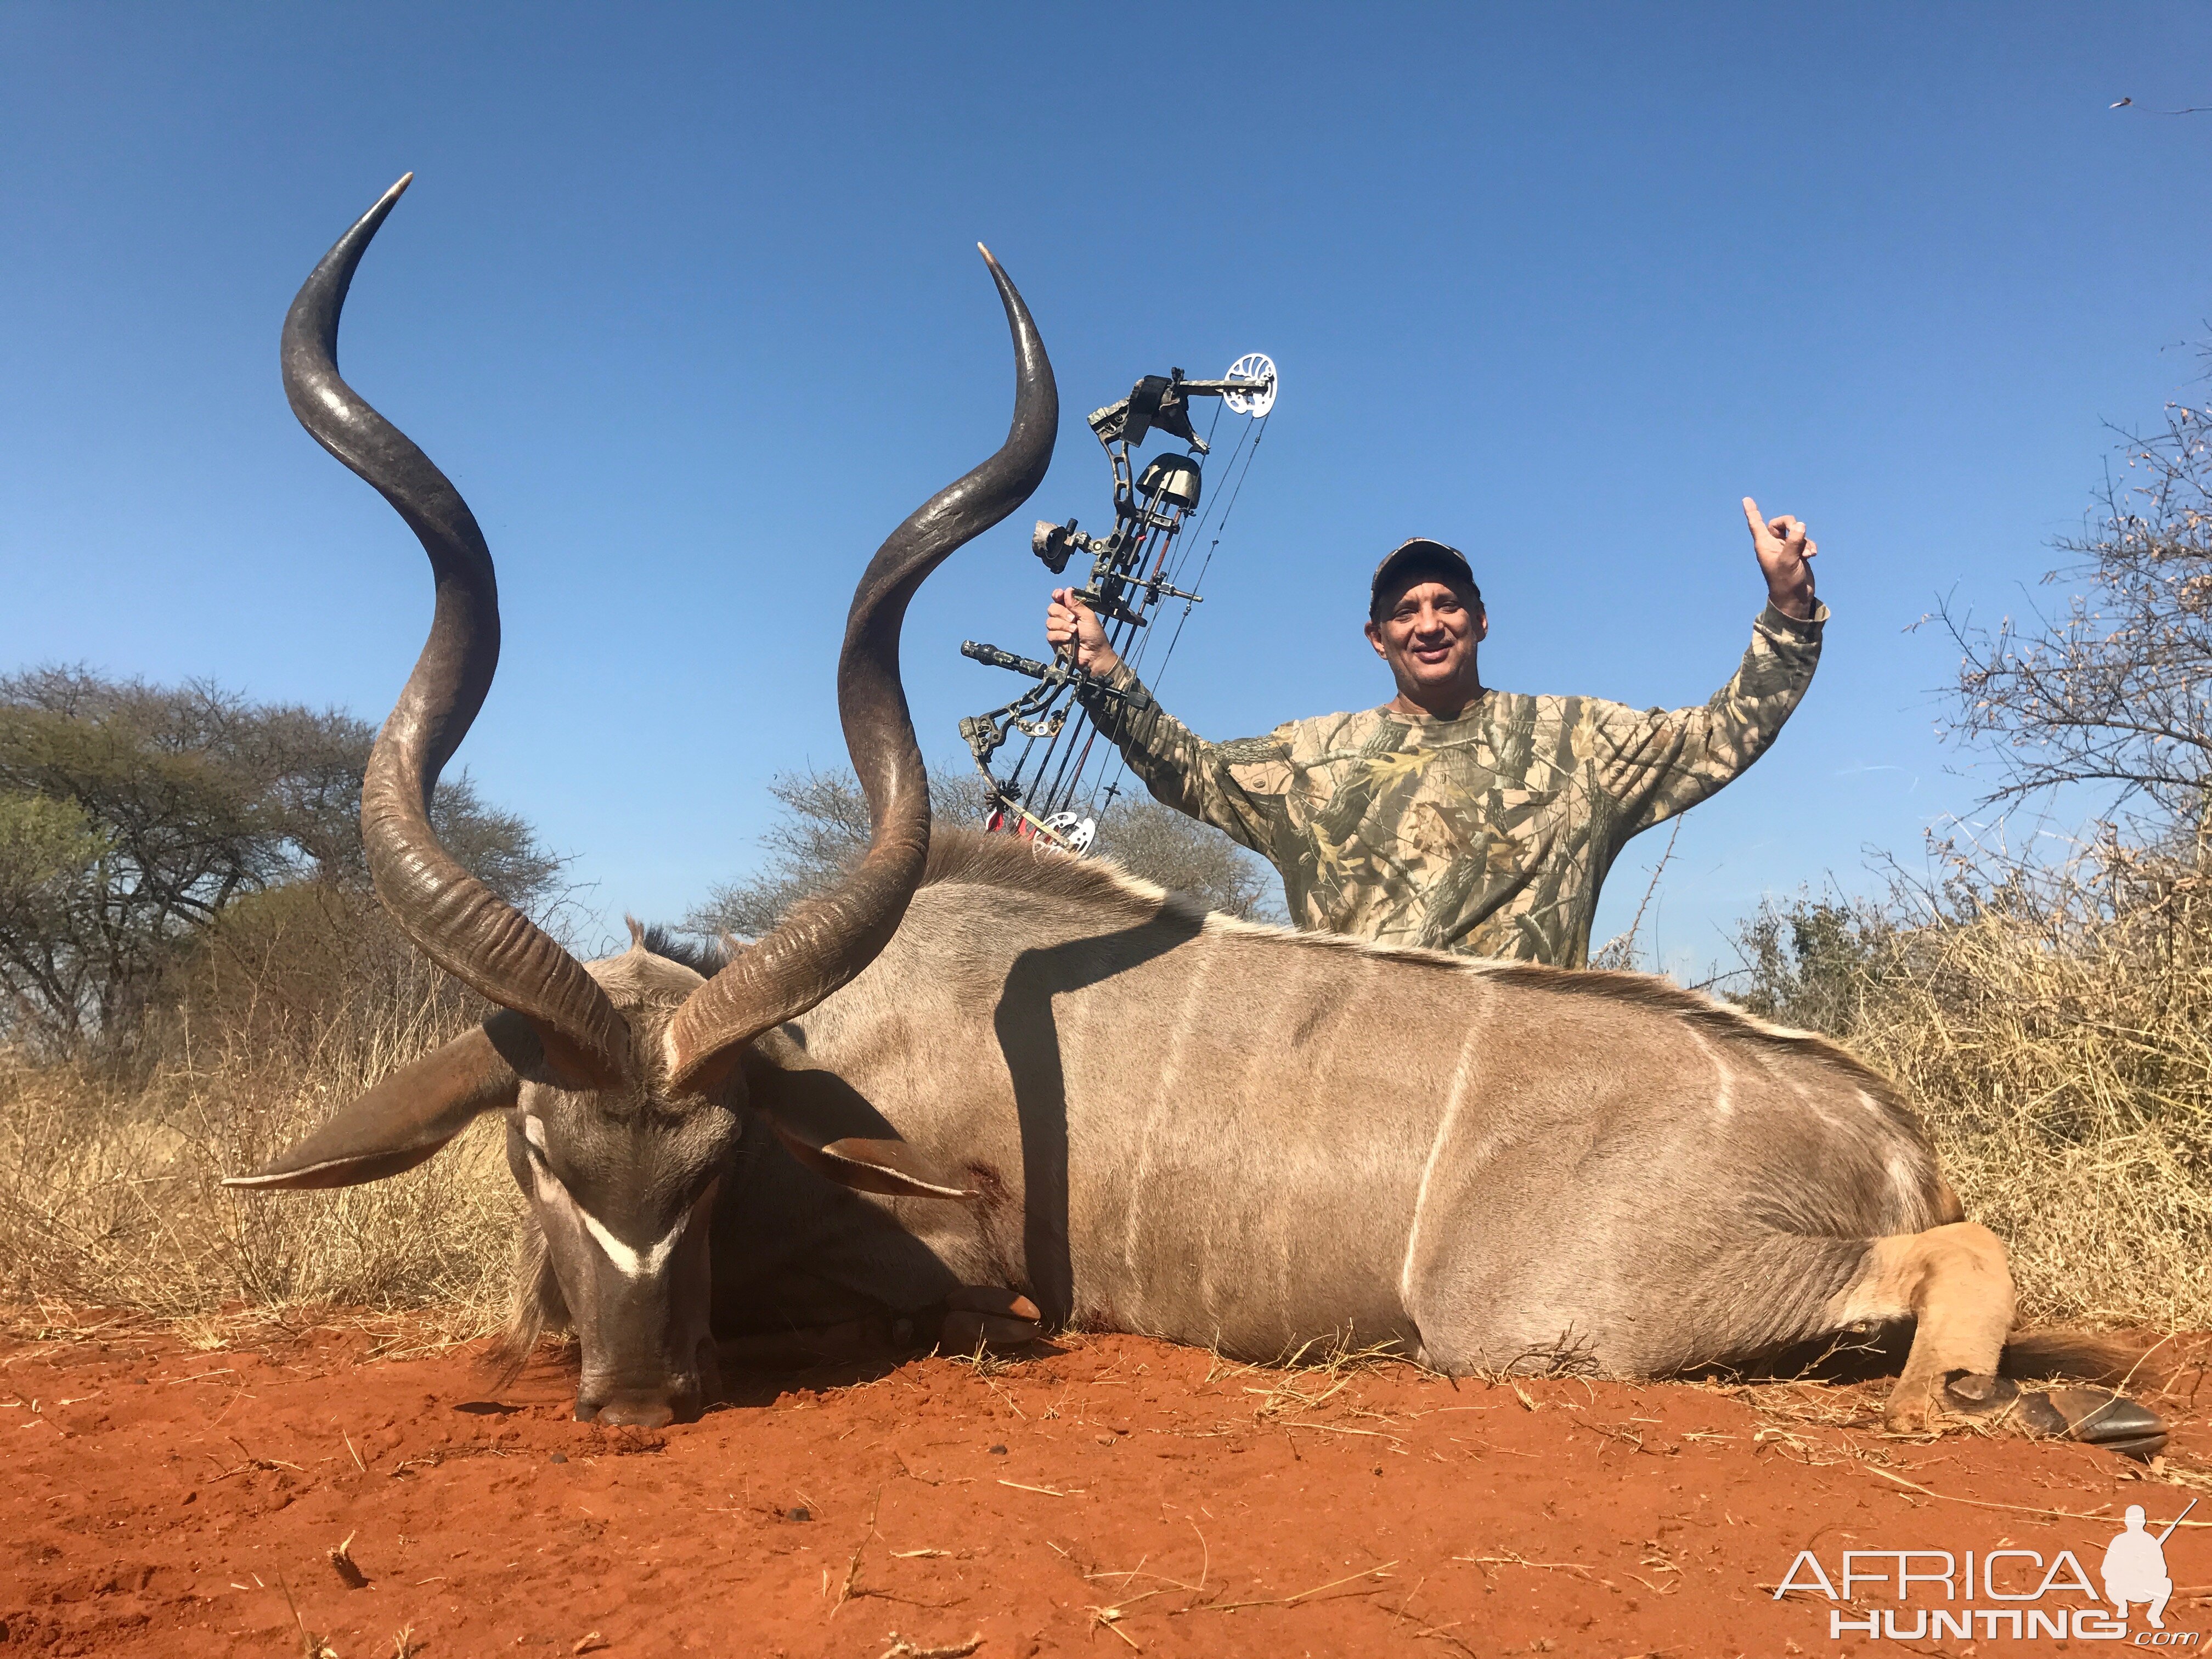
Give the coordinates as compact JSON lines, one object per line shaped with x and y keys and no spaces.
{"x":2009,"y":1593}
{"x":2134,"y":1567}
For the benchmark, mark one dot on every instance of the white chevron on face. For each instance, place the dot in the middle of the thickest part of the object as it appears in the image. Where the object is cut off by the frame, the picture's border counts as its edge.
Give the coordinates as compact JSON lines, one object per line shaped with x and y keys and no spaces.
{"x":551,"y":1193}
{"x":626,"y":1260}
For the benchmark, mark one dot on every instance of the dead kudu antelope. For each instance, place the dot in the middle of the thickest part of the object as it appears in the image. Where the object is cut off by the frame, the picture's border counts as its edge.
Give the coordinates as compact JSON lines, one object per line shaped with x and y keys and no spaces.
{"x":975,"y":1065}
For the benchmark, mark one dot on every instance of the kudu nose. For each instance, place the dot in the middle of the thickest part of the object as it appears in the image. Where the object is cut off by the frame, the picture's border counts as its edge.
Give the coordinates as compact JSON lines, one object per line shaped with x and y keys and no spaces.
{"x":655,"y":1396}
{"x":643,"y":1412}
{"x":640,"y":1408}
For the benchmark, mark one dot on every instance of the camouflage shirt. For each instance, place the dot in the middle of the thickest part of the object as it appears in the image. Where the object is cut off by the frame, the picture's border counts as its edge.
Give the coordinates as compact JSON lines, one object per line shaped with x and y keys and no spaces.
{"x":1489,"y":835}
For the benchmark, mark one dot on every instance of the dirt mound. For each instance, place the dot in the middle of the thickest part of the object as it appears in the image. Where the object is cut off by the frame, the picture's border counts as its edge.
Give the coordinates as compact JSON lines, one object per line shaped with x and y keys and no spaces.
{"x":164,"y":1498}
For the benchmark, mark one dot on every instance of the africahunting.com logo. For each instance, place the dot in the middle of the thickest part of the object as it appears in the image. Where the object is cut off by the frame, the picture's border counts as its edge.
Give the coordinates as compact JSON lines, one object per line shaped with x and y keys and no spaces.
{"x":1999,"y":1595}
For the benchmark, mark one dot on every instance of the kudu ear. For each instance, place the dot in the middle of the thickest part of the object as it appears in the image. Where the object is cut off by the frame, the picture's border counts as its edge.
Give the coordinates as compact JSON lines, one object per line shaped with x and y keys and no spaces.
{"x":406,"y":1118}
{"x":890,"y":1167}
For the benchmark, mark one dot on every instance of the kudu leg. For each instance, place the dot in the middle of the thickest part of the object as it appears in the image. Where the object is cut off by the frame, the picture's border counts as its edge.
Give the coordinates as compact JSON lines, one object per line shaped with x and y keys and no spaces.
{"x":1953,"y":1281}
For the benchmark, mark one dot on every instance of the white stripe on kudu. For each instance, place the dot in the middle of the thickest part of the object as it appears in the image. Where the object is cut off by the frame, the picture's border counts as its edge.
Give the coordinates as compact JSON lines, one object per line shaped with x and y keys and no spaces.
{"x":627,"y":1262}
{"x":624,"y":1258}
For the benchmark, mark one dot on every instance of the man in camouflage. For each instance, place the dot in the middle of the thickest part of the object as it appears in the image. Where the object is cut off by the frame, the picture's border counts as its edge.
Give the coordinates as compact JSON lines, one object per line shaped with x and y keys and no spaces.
{"x":1457,"y":817}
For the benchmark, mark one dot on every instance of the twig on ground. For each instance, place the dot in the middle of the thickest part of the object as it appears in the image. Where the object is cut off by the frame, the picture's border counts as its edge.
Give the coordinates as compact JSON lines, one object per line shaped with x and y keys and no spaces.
{"x":850,"y":1588}
{"x":2100,"y":1513}
{"x":265,"y":1462}
{"x":1109,"y":1619}
{"x":1443,"y":1633}
{"x":311,"y":1647}
{"x":1515,"y":1559}
{"x":1292,"y":1601}
{"x":903,"y":1648}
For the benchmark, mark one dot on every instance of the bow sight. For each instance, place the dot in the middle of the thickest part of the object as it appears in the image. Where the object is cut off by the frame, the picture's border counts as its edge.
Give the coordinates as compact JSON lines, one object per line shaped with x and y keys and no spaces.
{"x":1133,"y":568}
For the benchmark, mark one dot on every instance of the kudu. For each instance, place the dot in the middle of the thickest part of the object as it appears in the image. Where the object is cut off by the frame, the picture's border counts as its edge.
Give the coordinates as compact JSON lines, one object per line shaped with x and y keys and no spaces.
{"x":974,"y":1064}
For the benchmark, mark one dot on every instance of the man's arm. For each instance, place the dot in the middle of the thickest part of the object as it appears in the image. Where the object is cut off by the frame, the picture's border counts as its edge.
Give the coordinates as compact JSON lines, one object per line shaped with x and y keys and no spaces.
{"x":1180,"y":768}
{"x":1659,"y":763}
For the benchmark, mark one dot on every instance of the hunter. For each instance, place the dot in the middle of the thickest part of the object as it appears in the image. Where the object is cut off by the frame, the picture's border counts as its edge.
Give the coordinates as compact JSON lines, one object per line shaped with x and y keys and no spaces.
{"x":1457,"y":817}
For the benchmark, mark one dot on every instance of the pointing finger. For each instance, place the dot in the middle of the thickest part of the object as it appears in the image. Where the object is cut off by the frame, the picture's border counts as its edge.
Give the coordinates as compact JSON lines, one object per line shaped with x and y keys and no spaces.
{"x":1751,"y":514}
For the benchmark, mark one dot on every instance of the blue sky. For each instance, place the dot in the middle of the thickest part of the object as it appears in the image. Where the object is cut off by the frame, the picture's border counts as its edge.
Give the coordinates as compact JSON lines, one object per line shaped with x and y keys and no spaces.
{"x":685,"y":301}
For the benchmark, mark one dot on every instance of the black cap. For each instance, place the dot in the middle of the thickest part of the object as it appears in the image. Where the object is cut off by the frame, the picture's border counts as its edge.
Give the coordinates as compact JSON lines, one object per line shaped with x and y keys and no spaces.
{"x":1418,"y":552}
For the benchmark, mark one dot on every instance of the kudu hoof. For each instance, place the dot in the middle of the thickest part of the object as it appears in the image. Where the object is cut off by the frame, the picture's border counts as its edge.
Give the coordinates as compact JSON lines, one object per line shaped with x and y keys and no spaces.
{"x":2094,"y":1416}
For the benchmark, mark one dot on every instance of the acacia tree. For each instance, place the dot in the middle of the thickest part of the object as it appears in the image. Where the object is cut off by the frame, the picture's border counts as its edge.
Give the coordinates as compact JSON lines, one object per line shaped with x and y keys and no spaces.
{"x":823,"y":830}
{"x":2113,"y":689}
{"x":131,"y":816}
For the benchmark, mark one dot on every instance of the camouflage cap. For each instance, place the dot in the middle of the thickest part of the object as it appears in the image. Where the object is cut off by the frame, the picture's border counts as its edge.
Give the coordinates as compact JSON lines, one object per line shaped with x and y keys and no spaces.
{"x":1418,"y":552}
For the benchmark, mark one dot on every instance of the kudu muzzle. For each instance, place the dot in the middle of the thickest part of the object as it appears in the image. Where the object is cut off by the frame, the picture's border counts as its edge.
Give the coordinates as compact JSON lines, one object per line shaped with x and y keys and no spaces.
{"x":648,"y":1350}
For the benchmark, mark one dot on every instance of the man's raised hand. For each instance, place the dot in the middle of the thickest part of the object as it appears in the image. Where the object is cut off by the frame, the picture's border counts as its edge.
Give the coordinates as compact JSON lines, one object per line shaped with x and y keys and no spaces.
{"x":1072,"y":629}
{"x":1785,"y":554}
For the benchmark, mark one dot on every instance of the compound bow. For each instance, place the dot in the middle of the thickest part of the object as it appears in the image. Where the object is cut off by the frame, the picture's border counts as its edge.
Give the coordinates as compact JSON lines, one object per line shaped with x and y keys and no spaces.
{"x":1053,"y":792}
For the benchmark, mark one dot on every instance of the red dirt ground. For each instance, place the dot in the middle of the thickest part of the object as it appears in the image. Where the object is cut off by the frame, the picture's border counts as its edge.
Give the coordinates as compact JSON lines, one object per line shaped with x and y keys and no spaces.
{"x":1120,"y":1495}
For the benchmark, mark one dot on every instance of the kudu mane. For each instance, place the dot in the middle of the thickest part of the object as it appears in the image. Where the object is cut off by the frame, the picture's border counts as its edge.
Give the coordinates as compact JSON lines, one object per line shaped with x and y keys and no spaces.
{"x":968,"y":856}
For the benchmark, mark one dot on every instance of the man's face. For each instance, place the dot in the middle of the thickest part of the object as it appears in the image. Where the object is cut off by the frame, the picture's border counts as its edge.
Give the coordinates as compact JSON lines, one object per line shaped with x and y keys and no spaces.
{"x":1428,"y":633}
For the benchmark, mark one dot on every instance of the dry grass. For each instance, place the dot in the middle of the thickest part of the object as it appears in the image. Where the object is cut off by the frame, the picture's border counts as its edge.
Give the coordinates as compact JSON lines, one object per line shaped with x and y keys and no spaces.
{"x":110,"y":1192}
{"x":2054,"y":1028}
